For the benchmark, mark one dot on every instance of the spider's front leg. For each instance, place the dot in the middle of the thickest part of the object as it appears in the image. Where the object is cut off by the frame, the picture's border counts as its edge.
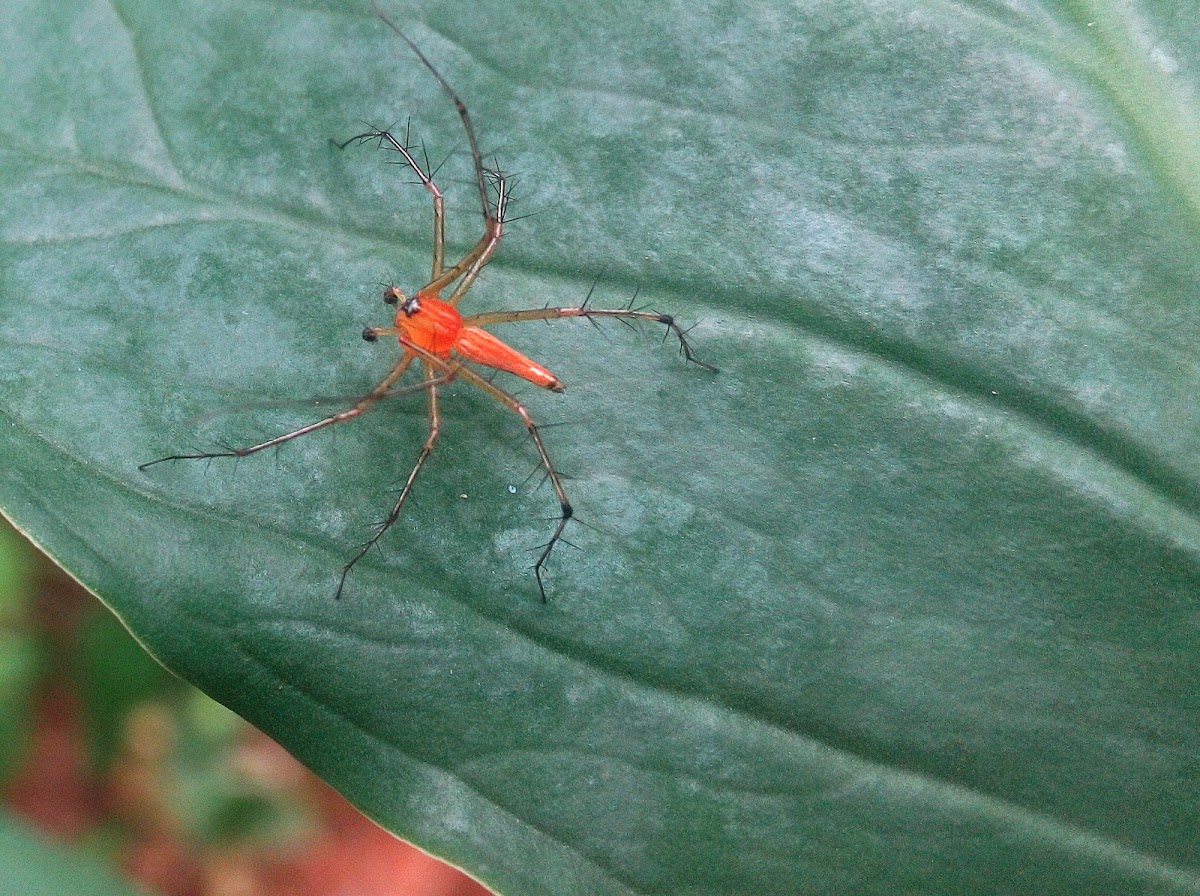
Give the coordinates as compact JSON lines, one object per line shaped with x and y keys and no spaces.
{"x":472,"y":263}
{"x":425,"y":175}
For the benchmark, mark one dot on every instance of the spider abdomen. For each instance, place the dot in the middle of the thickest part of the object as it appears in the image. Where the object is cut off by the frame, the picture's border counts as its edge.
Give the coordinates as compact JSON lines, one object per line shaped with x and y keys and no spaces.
{"x":481,"y":347}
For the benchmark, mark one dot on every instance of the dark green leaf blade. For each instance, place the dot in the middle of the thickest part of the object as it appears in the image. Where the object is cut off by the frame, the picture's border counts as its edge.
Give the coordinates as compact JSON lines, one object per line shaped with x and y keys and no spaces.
{"x":902,"y":599}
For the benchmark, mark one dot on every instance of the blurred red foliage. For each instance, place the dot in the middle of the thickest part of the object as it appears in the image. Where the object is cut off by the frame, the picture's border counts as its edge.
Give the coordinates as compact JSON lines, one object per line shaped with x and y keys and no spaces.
{"x":131,"y":803}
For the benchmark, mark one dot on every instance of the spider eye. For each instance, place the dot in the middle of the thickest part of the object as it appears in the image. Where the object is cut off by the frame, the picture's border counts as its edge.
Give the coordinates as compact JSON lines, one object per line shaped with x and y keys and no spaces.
{"x":410,"y":306}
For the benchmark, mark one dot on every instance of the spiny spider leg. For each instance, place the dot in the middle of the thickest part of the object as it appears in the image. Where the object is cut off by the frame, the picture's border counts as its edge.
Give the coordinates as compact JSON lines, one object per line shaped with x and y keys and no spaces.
{"x":426,"y":178}
{"x":493,"y":211}
{"x":431,"y":382}
{"x":625,"y":314}
{"x":476,"y":156}
{"x":473,"y":263}
{"x":382,"y":390}
{"x":515,"y":405}
{"x":481,"y":253}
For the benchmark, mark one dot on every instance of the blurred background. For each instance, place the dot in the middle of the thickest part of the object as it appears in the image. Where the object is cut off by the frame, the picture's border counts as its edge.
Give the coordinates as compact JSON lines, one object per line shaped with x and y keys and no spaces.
{"x":105,"y":751}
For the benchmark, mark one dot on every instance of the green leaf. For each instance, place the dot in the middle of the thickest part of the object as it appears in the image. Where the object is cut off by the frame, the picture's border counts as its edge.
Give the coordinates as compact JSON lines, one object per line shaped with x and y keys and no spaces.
{"x":32,"y":867}
{"x":901,"y":600}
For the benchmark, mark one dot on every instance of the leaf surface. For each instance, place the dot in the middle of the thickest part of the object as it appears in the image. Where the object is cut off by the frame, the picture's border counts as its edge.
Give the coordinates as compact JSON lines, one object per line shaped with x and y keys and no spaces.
{"x":903,"y":599}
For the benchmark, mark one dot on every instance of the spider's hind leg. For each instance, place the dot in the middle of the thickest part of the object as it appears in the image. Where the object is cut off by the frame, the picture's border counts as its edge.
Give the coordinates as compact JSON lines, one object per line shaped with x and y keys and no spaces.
{"x":432,"y":380}
{"x":566,"y":512}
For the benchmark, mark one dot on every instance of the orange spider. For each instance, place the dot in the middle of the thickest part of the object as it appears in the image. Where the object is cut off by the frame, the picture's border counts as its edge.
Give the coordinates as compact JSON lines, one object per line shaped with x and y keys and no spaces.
{"x":431,"y":329}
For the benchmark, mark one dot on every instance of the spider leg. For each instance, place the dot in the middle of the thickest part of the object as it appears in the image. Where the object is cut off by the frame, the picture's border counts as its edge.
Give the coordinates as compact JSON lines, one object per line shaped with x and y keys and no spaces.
{"x":426,"y":177}
{"x":493,"y":209}
{"x":383,"y":389}
{"x":476,"y":156}
{"x":473,"y":262}
{"x":624,"y":314}
{"x":432,"y":380}
{"x":514,"y":405}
